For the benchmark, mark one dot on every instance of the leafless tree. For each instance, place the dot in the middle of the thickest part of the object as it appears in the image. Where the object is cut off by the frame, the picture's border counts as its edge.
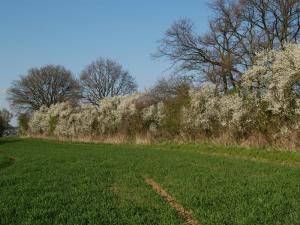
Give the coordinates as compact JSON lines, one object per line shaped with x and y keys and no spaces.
{"x":168,"y":87}
{"x":47,"y":85}
{"x":209,"y":55}
{"x":276,"y":22}
{"x":237,"y":31}
{"x":105,"y":78}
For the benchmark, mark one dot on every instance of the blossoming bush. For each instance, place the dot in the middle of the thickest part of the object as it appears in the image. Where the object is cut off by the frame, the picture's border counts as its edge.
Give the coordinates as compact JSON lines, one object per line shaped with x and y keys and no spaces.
{"x":115,"y":115}
{"x":212,"y":114}
{"x":152,"y":117}
{"x":273,"y":83}
{"x":202,"y":114}
{"x":38,"y":123}
{"x":268,"y":104}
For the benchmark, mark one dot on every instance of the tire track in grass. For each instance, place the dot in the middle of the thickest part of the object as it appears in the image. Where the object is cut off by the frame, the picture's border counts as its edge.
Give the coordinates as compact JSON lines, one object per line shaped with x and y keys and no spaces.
{"x":182,"y":212}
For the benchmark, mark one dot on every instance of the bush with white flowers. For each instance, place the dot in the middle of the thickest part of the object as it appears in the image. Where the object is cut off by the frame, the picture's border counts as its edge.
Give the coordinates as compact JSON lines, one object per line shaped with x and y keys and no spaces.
{"x":274,"y":83}
{"x":268,"y":103}
{"x":202,"y":114}
{"x":113,"y":115}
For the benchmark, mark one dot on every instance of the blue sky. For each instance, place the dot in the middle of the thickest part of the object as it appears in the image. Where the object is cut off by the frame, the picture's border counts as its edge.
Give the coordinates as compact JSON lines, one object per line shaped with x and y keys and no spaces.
{"x":73,"y":33}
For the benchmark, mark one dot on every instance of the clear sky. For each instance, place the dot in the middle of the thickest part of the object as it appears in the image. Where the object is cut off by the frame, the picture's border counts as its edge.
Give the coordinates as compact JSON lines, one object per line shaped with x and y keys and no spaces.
{"x":73,"y":33}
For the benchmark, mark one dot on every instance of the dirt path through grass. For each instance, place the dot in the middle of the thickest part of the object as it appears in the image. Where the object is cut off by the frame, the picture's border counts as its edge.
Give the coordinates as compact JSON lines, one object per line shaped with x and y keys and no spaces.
{"x":185,"y":214}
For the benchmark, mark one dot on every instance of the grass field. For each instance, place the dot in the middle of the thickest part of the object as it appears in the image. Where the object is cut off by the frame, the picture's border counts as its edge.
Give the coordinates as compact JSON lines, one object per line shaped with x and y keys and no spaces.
{"x":51,"y":182}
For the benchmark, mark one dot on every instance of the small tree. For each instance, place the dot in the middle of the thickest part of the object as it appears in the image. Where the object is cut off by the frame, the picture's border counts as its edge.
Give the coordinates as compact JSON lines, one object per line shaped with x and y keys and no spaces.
{"x":173,"y":91}
{"x":5,"y":117}
{"x":105,"y":78}
{"x":23,"y":121}
{"x":170,"y":87}
{"x":2,"y":126}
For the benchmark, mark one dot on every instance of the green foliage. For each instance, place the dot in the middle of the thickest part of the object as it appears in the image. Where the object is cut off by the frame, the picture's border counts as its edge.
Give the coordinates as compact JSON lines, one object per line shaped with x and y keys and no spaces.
{"x":132,"y":124}
{"x":5,"y":118}
{"x":52,"y":124}
{"x":2,"y":126}
{"x":23,"y":121}
{"x":53,"y":182}
{"x":95,"y":127}
{"x":171,"y":124}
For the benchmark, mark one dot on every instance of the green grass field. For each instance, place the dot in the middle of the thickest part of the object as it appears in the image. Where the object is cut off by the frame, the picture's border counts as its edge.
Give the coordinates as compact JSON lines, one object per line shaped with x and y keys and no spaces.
{"x":51,"y":182}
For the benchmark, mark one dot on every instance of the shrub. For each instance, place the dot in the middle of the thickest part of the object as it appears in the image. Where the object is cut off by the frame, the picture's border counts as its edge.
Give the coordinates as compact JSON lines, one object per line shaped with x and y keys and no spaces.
{"x":2,"y":126}
{"x":52,"y":124}
{"x":274,"y":84}
{"x":23,"y":121}
{"x":202,"y":114}
{"x":267,"y":106}
{"x":171,"y":123}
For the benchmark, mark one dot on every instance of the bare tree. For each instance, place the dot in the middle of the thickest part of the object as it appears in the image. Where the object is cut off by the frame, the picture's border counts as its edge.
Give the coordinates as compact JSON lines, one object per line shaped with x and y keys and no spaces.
{"x":237,"y":30}
{"x":169,"y":87}
{"x":276,"y":22}
{"x":47,"y":85}
{"x":209,"y":55}
{"x":105,"y":78}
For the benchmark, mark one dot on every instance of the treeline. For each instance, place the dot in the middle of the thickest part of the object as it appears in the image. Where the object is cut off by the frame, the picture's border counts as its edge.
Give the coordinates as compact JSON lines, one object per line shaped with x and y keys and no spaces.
{"x":238,"y":82}
{"x":52,"y":84}
{"x":174,"y":110}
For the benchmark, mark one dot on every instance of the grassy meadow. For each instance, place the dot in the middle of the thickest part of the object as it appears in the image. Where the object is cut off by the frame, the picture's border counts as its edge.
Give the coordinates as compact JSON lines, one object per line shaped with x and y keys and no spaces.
{"x":52,"y":182}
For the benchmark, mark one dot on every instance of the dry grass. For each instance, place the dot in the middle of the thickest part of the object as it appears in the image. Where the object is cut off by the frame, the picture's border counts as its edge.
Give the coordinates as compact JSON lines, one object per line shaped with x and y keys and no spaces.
{"x":284,"y":143}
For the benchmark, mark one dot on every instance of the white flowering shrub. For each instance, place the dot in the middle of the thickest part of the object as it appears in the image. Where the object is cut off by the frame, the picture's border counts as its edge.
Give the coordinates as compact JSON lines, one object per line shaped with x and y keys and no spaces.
{"x":231,"y":113}
{"x":203,"y":112}
{"x":40,"y":122}
{"x":268,"y":104}
{"x":273,"y":83}
{"x":152,"y":117}
{"x":79,"y":121}
{"x":115,"y":115}
{"x":116,"y":112}
{"x":63,"y":113}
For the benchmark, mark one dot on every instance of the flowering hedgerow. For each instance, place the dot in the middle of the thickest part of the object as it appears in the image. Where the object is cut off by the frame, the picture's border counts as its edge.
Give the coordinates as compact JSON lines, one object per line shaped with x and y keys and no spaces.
{"x":87,"y":120}
{"x":268,"y":102}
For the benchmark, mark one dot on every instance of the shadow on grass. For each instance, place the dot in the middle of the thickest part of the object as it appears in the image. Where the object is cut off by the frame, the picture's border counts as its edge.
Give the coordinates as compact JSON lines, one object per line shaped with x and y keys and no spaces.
{"x":4,"y":140}
{"x":7,"y":162}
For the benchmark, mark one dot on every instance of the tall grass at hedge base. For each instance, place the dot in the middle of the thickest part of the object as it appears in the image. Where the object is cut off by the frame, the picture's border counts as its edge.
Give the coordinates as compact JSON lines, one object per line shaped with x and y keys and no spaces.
{"x":287,"y":143}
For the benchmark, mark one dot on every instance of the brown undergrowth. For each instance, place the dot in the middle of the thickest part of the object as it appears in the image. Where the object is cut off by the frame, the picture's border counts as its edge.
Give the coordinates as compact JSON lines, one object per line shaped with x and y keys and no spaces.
{"x":284,"y":143}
